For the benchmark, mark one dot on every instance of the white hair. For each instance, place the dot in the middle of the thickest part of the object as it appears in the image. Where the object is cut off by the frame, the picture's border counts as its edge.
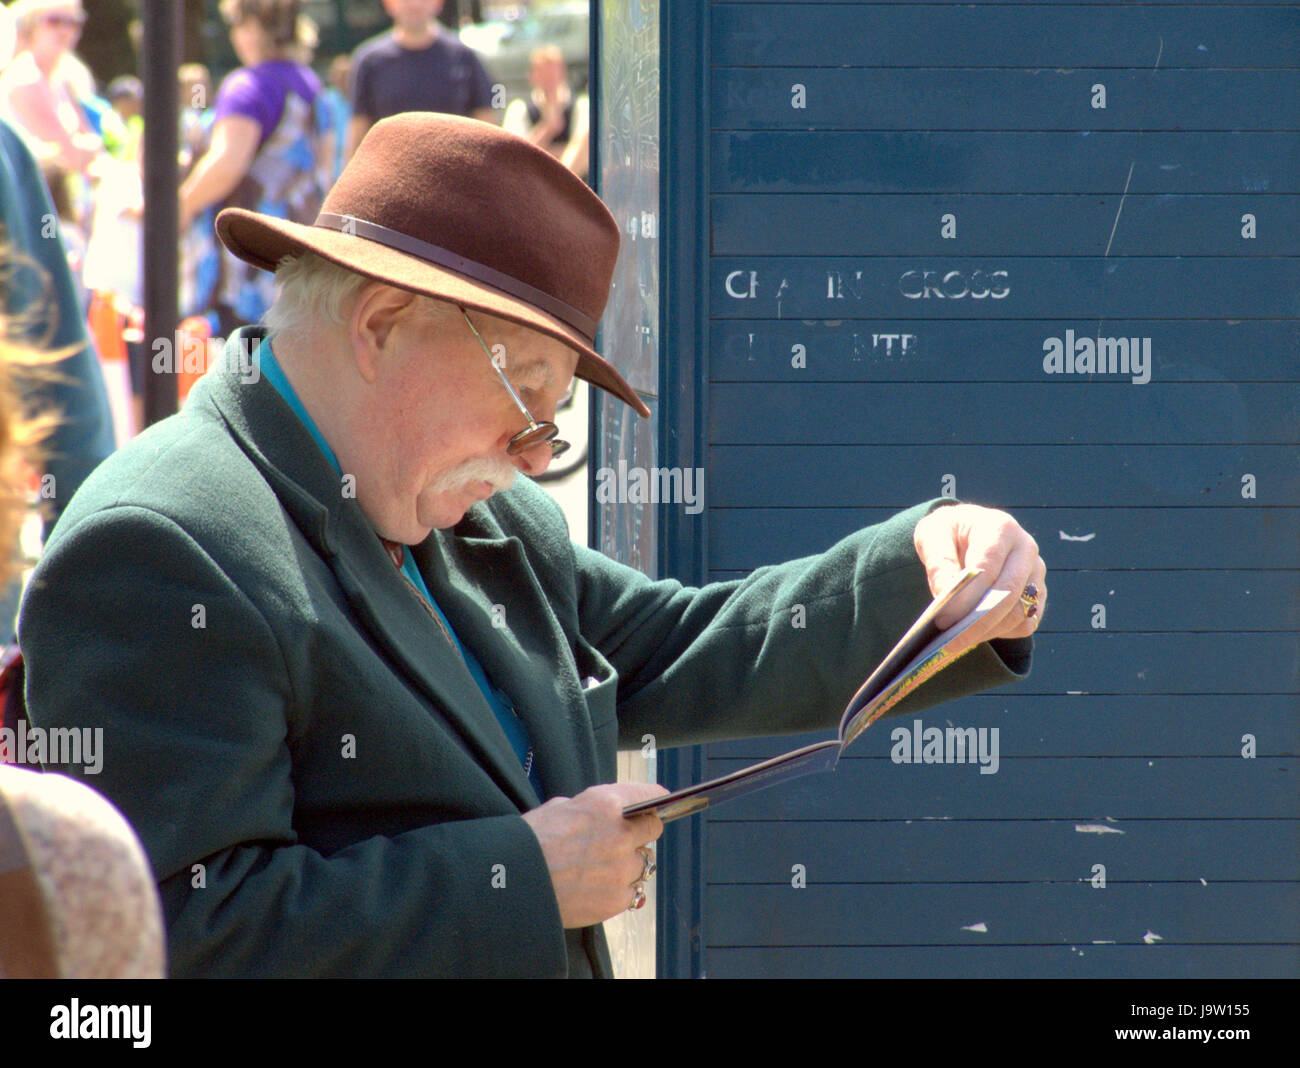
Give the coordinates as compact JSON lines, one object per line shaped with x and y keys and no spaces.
{"x":312,"y":289}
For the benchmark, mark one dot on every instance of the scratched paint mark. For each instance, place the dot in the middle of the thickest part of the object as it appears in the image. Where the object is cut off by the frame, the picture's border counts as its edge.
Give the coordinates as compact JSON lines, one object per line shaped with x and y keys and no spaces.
{"x":780,"y":290}
{"x":1203,"y":882}
{"x":1122,"y":198}
{"x":1077,"y":537}
{"x":1159,"y":54}
{"x":1103,"y":941}
{"x":978,"y":928}
{"x":1096,"y":828}
{"x":1151,"y":938}
{"x":1075,"y":693}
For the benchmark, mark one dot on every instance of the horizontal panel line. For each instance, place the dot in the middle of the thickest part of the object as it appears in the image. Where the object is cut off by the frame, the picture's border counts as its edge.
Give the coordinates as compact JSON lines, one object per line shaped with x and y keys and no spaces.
{"x":785,"y":883}
{"x":900,"y":506}
{"x":954,"y":254}
{"x":1005,"y":129}
{"x":1117,"y":820}
{"x":1119,"y":508}
{"x":885,"y":5}
{"x":1005,"y":755}
{"x":1280,"y":572}
{"x":980,"y":320}
{"x":957,"y":443}
{"x":921,"y":68}
{"x":967,"y":382}
{"x":1190,"y":571}
{"x":1019,"y":68}
{"x":1162,"y":944}
{"x":1129,"y":756}
{"x":1226,"y":319}
{"x":720,"y":193}
{"x":968,"y":444}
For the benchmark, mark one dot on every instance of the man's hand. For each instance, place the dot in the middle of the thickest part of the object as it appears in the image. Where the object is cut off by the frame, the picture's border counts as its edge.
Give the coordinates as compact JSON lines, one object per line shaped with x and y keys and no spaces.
{"x":591,"y":850}
{"x":953,"y":538}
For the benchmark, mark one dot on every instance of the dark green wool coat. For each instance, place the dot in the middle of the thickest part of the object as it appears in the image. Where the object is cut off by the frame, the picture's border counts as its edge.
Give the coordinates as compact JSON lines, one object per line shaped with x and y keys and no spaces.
{"x":319,"y":784}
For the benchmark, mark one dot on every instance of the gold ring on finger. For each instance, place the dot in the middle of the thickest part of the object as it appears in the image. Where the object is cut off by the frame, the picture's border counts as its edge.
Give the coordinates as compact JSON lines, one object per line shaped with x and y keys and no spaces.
{"x":1029,"y":600}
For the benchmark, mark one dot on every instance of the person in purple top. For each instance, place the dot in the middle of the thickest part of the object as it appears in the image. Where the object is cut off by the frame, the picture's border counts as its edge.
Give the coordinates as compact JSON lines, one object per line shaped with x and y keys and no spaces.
{"x":266,"y":153}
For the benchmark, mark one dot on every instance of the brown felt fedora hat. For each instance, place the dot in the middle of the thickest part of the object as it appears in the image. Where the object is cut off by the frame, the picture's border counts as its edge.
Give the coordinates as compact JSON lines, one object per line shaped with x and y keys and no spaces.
{"x":463,"y":211}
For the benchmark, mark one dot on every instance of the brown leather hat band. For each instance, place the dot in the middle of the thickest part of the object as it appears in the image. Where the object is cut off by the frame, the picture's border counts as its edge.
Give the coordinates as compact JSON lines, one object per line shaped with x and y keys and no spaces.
{"x":479,"y":272}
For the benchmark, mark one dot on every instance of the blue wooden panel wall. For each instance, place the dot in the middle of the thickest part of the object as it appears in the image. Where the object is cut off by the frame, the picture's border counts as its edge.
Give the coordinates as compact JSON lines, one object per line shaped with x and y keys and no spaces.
{"x":1106,"y":170}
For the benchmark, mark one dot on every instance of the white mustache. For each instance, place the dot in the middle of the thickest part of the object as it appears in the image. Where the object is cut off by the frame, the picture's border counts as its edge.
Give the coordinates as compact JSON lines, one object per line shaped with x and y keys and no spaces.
{"x":499,"y":474}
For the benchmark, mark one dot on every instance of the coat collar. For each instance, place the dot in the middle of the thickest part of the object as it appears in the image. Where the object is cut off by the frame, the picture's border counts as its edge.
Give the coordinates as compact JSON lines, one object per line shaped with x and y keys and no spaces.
{"x":468,"y":573}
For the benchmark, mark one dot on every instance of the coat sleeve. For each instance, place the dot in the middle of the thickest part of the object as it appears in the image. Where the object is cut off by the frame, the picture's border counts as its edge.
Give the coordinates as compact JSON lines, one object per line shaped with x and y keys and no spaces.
{"x":778,"y":652}
{"x":132,"y":628}
{"x":83,"y":436}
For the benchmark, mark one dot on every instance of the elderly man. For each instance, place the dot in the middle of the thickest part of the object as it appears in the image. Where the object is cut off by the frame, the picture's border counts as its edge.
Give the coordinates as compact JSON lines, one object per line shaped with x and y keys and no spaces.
{"x":360,"y":694}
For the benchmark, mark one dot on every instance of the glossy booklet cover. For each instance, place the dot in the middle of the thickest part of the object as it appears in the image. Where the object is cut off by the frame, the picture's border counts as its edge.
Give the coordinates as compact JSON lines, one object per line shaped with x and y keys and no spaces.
{"x":921,"y":653}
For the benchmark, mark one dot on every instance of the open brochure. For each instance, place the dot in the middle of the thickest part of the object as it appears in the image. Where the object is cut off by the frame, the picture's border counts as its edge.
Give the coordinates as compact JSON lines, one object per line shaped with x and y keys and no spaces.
{"x":922,"y":652}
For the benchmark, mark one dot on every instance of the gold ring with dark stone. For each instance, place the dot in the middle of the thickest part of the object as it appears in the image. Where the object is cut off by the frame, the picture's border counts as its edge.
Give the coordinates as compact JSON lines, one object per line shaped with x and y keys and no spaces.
{"x":1029,"y":600}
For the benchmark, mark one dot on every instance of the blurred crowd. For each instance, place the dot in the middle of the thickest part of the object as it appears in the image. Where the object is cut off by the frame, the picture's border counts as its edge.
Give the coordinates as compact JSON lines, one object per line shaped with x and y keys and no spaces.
{"x":272,"y":137}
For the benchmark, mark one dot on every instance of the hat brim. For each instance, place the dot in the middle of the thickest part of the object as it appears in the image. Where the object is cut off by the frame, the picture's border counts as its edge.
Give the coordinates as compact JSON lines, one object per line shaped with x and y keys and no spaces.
{"x":264,"y":241}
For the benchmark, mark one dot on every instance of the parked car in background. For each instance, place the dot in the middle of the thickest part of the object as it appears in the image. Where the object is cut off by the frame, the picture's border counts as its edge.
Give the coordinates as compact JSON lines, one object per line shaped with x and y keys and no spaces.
{"x":504,"y":45}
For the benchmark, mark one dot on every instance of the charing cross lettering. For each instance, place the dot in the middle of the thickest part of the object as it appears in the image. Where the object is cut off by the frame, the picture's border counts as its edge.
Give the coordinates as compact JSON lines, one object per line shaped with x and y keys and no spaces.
{"x":921,"y":284}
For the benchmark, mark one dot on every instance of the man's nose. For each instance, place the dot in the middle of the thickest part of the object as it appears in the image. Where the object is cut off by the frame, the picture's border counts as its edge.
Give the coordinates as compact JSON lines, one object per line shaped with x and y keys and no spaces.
{"x":533,"y":462}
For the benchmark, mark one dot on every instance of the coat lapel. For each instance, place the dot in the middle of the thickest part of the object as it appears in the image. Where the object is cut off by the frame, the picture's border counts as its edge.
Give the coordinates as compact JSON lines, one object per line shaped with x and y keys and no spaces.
{"x":388,"y":607}
{"x":490,"y":594}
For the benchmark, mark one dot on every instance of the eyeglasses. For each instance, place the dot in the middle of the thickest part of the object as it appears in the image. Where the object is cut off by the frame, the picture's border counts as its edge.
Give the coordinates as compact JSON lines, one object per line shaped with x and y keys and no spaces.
{"x":535,"y":433}
{"x":71,"y":22}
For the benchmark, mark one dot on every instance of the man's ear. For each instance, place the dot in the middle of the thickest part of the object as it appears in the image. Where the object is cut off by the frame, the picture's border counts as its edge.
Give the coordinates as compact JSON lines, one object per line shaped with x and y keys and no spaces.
{"x":377,"y":310}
